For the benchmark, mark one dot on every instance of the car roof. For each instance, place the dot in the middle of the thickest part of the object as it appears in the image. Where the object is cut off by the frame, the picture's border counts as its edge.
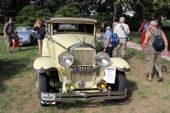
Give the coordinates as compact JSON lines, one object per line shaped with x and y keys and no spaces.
{"x":71,"y":20}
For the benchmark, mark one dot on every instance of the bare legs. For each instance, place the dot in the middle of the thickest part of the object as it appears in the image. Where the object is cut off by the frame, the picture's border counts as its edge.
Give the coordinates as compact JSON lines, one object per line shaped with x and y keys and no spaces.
{"x":149,"y":76}
{"x":8,"y":47}
{"x":40,"y":44}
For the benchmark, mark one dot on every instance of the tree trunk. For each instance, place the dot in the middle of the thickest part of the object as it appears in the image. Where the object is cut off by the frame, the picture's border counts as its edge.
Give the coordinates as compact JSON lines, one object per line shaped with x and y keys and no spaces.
{"x":115,"y":11}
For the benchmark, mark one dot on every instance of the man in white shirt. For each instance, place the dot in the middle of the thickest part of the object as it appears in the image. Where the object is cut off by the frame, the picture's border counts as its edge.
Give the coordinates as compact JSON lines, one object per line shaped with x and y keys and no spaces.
{"x":122,"y":30}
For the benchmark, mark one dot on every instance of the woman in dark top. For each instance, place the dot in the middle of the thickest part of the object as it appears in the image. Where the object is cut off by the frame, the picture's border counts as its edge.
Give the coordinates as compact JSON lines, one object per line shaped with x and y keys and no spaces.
{"x":38,"y":27}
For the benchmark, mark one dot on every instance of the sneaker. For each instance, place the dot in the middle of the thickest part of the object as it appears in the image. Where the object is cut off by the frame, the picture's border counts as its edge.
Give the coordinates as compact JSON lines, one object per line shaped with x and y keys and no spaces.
{"x":161,"y":78}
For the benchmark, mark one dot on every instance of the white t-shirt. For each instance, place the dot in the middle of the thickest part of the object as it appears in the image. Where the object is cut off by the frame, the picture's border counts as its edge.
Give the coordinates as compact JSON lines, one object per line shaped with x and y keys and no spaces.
{"x":119,"y":31}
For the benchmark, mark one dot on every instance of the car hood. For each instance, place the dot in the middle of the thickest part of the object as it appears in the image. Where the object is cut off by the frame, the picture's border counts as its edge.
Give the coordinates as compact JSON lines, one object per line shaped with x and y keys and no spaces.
{"x":67,"y":40}
{"x":24,"y":35}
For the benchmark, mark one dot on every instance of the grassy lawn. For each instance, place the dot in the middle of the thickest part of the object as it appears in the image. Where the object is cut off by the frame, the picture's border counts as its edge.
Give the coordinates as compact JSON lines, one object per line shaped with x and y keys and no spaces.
{"x":18,"y":93}
{"x":135,"y":37}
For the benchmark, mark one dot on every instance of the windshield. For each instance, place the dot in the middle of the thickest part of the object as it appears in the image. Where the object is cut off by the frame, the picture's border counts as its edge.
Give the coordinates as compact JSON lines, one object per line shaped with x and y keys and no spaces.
{"x":23,"y":28}
{"x":73,"y":28}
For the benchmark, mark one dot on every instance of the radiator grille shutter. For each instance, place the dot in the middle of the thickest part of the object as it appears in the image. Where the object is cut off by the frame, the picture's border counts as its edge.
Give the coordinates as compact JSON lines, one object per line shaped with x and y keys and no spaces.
{"x":83,"y":57}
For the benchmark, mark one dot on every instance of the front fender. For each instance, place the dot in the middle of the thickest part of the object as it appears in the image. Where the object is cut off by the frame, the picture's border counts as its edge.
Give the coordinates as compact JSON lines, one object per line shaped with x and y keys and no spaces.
{"x":120,"y":64}
{"x":43,"y":64}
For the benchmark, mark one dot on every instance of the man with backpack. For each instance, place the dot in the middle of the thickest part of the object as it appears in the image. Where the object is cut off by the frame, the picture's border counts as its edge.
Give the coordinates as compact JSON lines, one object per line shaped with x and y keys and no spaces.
{"x":122,"y":30}
{"x":108,"y":48}
{"x":8,"y":33}
{"x":154,"y":44}
{"x":111,"y":40}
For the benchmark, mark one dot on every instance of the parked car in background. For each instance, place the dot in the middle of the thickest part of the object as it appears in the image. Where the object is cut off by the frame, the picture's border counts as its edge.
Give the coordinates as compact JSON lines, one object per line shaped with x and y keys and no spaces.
{"x":26,"y":35}
{"x":71,"y":69}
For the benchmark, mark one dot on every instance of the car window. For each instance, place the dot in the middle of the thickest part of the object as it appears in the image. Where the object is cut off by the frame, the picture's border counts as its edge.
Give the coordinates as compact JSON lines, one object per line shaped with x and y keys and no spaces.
{"x":73,"y":28}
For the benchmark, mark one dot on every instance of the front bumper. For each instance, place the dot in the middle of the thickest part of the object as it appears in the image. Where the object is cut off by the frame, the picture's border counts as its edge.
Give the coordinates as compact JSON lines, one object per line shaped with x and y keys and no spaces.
{"x":87,"y":96}
{"x":23,"y":41}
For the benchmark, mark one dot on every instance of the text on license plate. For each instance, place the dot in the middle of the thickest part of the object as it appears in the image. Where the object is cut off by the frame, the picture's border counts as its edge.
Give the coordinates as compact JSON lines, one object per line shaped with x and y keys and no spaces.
{"x":83,"y":68}
{"x":48,"y":96}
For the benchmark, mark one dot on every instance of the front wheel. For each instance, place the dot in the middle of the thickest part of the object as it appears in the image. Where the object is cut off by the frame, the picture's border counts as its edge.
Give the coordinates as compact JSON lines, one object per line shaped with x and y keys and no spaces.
{"x":42,"y":85}
{"x":122,"y":81}
{"x":43,"y":82}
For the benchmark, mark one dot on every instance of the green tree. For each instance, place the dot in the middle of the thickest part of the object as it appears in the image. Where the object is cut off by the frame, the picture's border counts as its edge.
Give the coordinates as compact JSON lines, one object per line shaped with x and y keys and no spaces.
{"x":29,"y":14}
{"x":11,"y":7}
{"x":70,"y":9}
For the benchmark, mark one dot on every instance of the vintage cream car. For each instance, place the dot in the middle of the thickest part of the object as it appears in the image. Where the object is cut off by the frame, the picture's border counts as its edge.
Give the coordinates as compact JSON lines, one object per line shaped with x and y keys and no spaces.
{"x":70,"y":68}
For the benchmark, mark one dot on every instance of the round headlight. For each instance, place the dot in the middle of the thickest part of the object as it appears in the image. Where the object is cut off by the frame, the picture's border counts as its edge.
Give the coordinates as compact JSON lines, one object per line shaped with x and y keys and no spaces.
{"x":103,"y":59}
{"x":66,"y":59}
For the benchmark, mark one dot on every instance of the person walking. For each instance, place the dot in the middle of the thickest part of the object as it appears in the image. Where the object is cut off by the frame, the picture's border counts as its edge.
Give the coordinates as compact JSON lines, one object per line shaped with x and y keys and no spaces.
{"x":8,"y":31}
{"x":107,"y":41}
{"x":39,"y":30}
{"x":122,"y":30}
{"x":143,"y":28}
{"x":154,"y":36}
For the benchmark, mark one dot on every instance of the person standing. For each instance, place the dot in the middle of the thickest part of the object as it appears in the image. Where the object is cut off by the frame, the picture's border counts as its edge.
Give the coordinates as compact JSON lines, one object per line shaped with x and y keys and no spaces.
{"x":122,"y":30}
{"x":107,"y":41}
{"x":38,"y":27}
{"x":15,"y":41}
{"x":8,"y":33}
{"x":152,"y":54}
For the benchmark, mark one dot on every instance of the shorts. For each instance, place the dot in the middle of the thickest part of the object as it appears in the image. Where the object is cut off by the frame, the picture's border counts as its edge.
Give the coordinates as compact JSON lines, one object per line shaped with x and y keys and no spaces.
{"x":8,"y":39}
{"x":15,"y":43}
{"x":39,"y":36}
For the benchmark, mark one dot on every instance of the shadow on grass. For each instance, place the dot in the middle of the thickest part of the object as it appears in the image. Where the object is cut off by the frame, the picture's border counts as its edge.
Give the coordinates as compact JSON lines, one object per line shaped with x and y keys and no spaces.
{"x":27,"y":48}
{"x":10,"y":68}
{"x":132,"y":86}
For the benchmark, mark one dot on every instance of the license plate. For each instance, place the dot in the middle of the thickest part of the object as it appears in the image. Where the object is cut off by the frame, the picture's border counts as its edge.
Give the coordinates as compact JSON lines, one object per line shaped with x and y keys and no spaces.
{"x":48,"y":96}
{"x":83,"y":68}
{"x":110,"y":75}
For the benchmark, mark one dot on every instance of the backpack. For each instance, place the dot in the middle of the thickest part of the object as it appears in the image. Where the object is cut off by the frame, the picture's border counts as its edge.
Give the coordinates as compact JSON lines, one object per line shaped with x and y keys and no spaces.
{"x":114,"y":40}
{"x":158,"y":43}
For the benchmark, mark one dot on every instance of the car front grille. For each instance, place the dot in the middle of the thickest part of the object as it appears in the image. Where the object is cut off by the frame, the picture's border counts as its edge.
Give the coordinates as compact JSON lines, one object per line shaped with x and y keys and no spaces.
{"x":83,"y":57}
